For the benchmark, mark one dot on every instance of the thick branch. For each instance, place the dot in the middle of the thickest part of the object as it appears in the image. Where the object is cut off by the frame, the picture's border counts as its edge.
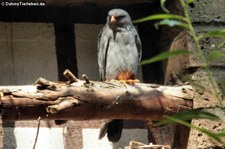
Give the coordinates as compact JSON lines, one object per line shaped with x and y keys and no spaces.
{"x":86,"y":100}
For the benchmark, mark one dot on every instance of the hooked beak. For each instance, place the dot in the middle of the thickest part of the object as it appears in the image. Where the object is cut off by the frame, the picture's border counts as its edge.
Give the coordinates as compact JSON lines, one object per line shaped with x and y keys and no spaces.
{"x":113,"y":19}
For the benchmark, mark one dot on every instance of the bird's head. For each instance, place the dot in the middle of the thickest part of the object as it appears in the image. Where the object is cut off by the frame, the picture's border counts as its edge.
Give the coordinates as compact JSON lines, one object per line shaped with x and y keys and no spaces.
{"x":118,"y":17}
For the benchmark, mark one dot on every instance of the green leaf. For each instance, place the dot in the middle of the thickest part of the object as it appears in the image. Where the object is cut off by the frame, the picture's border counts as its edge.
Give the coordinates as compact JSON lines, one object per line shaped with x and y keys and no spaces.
{"x":172,"y":23}
{"x":216,"y":33}
{"x":215,"y":55}
{"x":210,"y":134}
{"x":164,"y":55}
{"x":161,"y":16}
{"x":162,"y":4}
{"x":189,"y":115}
{"x":215,"y":136}
{"x":221,"y":133}
{"x":190,"y":1}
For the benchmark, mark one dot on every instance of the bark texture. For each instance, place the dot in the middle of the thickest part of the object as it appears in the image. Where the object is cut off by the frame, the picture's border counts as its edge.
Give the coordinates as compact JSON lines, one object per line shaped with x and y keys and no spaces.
{"x":88,"y":100}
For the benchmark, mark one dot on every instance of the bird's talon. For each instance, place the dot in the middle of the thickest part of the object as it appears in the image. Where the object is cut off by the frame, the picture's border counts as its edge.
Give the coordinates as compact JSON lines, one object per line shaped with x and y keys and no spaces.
{"x":130,"y":81}
{"x":136,"y":81}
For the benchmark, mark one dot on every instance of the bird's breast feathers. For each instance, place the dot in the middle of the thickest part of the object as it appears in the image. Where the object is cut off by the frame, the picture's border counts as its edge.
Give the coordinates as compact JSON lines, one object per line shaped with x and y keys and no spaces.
{"x":118,"y":53}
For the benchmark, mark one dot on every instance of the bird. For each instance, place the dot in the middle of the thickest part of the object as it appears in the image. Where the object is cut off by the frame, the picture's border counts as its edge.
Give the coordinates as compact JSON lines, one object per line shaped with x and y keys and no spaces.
{"x":119,"y":52}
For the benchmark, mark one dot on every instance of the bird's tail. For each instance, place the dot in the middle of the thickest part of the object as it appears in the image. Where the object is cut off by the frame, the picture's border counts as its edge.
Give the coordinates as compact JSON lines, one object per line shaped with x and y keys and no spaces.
{"x":60,"y":122}
{"x":103,"y":130}
{"x":113,"y":129}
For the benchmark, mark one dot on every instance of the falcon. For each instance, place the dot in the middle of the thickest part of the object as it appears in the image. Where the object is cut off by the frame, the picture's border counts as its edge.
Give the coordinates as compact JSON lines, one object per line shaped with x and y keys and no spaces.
{"x":119,"y":51}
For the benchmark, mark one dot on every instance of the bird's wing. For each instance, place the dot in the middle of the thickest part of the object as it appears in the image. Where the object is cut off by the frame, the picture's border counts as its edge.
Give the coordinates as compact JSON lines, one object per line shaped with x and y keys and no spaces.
{"x":102,"y":49}
{"x":138,"y":44}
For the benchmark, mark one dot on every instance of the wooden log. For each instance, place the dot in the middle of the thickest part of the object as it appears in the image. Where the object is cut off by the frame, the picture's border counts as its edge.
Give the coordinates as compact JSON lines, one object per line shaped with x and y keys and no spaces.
{"x":88,"y":100}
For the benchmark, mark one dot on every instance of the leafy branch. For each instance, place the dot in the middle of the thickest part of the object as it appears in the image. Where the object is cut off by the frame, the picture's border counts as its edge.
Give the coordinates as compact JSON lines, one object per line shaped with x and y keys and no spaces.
{"x":200,"y":51}
{"x":185,"y":22}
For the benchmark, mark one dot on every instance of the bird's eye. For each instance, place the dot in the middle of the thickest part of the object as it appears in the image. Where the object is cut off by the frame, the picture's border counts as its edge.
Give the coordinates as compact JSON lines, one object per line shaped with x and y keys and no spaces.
{"x":120,"y":17}
{"x":116,"y":19}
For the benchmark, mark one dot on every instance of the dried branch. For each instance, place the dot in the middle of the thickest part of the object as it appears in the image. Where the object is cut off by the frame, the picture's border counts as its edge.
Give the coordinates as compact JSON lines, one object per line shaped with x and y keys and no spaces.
{"x":86,"y":100}
{"x":86,"y":78}
{"x":139,"y":145}
{"x":70,"y":76}
{"x":38,"y":128}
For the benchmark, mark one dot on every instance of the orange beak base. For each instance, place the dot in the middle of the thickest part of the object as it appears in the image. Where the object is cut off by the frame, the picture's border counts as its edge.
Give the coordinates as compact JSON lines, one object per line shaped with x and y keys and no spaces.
{"x":113,"y":19}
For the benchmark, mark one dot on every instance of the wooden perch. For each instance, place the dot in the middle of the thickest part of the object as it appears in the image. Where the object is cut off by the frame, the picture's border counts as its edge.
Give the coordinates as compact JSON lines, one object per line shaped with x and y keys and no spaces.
{"x":87,"y":100}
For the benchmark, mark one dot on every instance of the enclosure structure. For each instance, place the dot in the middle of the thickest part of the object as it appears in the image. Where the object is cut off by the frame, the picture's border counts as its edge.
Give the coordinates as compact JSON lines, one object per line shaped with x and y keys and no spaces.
{"x":43,"y":41}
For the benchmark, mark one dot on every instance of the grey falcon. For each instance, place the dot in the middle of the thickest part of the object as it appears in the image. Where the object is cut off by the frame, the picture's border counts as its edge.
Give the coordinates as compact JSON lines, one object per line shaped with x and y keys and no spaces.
{"x":119,"y":51}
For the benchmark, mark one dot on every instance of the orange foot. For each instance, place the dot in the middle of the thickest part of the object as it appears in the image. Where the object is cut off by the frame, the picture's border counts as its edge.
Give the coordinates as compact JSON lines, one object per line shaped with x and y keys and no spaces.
{"x":129,"y":81}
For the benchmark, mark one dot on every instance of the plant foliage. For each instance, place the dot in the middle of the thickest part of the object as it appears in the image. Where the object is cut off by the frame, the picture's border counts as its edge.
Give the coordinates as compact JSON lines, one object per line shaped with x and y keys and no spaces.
{"x":173,"y":20}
